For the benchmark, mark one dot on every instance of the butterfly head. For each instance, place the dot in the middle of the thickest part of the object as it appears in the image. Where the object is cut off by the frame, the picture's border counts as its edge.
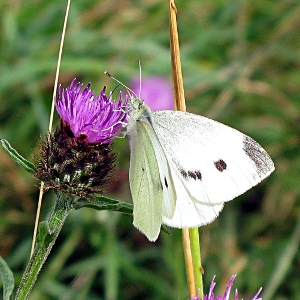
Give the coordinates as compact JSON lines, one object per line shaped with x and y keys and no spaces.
{"x":137,"y":107}
{"x":139,"y":111}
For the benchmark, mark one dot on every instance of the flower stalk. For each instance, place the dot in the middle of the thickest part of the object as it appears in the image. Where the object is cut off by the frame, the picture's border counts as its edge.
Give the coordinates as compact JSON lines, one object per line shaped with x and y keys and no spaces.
{"x":47,"y":234}
{"x":196,"y":259}
{"x":190,"y":236}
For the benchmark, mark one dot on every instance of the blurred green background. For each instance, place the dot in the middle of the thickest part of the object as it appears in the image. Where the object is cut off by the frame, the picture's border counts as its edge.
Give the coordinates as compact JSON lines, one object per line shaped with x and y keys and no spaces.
{"x":240,"y":64}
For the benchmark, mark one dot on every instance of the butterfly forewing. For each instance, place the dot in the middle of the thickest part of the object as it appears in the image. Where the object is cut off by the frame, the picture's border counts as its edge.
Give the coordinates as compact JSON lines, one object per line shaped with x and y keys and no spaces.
{"x":189,"y":212}
{"x":211,"y":162}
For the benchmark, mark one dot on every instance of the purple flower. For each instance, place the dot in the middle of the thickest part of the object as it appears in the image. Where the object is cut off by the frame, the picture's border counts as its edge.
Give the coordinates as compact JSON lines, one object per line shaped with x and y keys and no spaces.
{"x":97,"y":119}
{"x":211,"y":295}
{"x":77,"y":158}
{"x":156,"y":92}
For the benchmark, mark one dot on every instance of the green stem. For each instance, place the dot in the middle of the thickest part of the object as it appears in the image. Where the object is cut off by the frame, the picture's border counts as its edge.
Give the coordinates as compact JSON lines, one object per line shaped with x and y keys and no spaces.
{"x":47,"y":234}
{"x":196,"y":258}
{"x":112,"y":261}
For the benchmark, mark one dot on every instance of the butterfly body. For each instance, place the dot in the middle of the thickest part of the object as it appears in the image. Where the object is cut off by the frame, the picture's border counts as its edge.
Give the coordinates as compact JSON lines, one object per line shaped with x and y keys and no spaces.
{"x":184,"y":167}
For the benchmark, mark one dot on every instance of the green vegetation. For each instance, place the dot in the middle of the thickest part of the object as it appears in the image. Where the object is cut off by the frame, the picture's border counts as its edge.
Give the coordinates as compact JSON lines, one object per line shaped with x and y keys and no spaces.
{"x":240,"y":64}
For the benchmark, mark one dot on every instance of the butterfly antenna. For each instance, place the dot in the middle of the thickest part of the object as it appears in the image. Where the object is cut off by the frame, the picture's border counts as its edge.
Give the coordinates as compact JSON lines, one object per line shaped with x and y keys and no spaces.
{"x":130,"y":91}
{"x":115,"y":88}
{"x":140,"y":91}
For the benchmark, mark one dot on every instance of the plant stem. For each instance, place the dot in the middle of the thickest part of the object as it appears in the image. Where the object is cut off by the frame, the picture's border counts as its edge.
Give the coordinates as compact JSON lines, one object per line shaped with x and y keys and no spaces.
{"x":191,"y":242}
{"x":189,"y":261}
{"x":51,"y":118}
{"x":196,"y":258}
{"x":178,"y":90}
{"x":47,"y":234}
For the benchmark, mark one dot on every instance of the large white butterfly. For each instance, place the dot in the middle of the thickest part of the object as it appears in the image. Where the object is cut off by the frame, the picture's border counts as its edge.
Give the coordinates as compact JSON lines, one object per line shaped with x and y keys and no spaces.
{"x":183,"y":167}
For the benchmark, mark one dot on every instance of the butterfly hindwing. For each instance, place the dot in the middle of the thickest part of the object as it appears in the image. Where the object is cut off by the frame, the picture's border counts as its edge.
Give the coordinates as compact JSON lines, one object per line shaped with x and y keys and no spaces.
{"x":150,"y":182}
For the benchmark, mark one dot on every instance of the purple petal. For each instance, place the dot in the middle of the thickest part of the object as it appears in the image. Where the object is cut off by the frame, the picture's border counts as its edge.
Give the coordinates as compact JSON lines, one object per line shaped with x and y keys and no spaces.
{"x":226,"y":295}
{"x":257,"y":294}
{"x":97,"y":118}
{"x":228,"y":287}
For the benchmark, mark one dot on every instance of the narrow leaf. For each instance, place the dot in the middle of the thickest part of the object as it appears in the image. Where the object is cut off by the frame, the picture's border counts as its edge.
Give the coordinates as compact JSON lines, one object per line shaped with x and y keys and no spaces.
{"x":20,"y":160}
{"x":7,"y":279}
{"x":103,"y":203}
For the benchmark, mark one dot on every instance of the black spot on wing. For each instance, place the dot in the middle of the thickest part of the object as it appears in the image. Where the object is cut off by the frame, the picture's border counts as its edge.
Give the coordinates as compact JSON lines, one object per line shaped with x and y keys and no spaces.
{"x":258,"y":155}
{"x":220,"y":165}
{"x":183,"y":173}
{"x":196,"y":175}
{"x":166,"y":182}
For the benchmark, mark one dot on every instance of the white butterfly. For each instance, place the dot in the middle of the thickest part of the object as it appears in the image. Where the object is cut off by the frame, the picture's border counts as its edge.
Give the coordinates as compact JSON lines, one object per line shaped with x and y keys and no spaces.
{"x":183,"y":167}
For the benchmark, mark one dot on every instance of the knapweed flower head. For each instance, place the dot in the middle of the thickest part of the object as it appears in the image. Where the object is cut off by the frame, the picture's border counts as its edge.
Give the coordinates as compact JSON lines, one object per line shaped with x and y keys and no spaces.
{"x":78,"y":158}
{"x":156,"y":92}
{"x":225,"y":296}
{"x":96,"y":118}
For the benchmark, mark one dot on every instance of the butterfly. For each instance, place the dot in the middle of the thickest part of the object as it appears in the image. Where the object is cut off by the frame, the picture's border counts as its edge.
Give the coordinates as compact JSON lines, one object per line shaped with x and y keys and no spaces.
{"x":184,"y":167}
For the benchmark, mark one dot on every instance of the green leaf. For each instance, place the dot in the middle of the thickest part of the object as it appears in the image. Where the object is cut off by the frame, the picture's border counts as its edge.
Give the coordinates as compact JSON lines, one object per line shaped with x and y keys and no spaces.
{"x":7,"y":279}
{"x":45,"y":234}
{"x":20,"y":160}
{"x":103,"y":203}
